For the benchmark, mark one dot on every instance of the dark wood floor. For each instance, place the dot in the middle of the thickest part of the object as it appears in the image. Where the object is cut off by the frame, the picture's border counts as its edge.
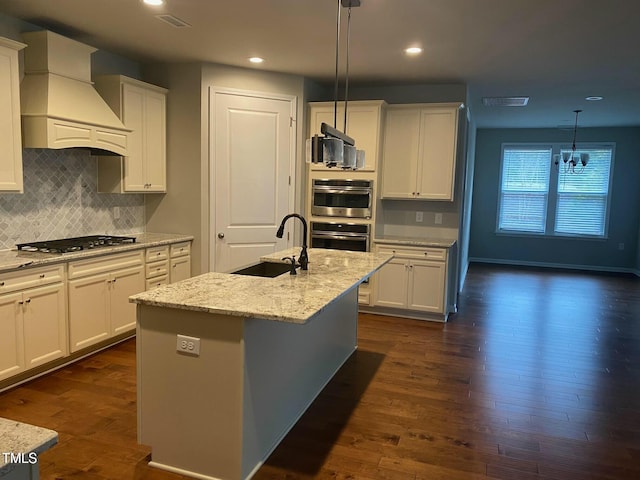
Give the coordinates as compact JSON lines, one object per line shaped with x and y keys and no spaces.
{"x":536,"y":377}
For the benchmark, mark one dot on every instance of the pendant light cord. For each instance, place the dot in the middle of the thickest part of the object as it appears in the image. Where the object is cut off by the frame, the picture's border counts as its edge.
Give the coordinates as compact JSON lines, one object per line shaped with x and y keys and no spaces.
{"x":575,"y":132}
{"x":346,"y":81}
{"x":335,"y":92}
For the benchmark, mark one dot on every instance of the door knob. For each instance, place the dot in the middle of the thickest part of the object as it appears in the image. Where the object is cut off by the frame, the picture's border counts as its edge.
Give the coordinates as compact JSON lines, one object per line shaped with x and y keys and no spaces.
{"x":221,"y":235}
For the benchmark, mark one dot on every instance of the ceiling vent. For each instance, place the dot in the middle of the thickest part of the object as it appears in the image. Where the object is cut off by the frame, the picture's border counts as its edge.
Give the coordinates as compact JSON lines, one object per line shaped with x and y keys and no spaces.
{"x":505,"y":101}
{"x":173,"y":21}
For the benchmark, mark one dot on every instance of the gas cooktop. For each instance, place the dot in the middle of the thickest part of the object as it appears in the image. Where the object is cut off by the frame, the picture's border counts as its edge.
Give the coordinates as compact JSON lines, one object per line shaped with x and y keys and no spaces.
{"x":66,"y":245}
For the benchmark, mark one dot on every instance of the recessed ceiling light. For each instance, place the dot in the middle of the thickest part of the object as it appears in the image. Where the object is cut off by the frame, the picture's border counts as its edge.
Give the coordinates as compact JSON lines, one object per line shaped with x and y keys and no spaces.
{"x":155,"y":3}
{"x":413,"y":51}
{"x":256,"y":59}
{"x":594,"y":98}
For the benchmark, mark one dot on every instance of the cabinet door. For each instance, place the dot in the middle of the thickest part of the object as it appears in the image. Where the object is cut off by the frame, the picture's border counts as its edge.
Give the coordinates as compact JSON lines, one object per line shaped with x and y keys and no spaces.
{"x":122,"y":285}
{"x":11,"y":336}
{"x":390,"y":285}
{"x":10,"y":135}
{"x":400,"y":154}
{"x":45,"y":326}
{"x":133,"y":118}
{"x":155,"y":142}
{"x":88,"y":311}
{"x":180,"y":268}
{"x":437,"y":153}
{"x":426,"y":286}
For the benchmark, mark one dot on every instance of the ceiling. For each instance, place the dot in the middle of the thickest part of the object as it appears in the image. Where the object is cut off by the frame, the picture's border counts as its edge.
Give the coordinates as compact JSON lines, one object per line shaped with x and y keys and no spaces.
{"x":557,"y":52}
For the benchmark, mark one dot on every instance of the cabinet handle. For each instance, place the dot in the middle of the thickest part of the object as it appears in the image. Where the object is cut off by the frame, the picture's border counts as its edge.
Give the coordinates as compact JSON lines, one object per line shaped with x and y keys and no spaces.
{"x":20,"y":302}
{"x":28,"y":300}
{"x":1,"y":284}
{"x":42,"y":275}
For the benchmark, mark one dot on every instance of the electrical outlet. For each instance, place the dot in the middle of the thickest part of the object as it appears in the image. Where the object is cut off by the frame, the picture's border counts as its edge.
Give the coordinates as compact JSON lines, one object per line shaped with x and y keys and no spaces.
{"x":419,"y":216}
{"x":190,"y":345}
{"x":438,"y":219}
{"x":116,"y":213}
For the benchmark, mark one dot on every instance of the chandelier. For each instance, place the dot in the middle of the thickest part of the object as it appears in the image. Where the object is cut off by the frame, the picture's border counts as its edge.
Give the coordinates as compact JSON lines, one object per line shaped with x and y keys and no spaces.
{"x":335,"y":148}
{"x":574,"y":162}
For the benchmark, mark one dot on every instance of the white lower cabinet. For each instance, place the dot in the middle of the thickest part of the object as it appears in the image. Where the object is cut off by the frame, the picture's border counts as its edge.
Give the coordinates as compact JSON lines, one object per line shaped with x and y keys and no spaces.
{"x":32,"y":319}
{"x":157,"y":266}
{"x":99,"y":289}
{"x":167,"y":264}
{"x":180,"y":255}
{"x":415,"y":279}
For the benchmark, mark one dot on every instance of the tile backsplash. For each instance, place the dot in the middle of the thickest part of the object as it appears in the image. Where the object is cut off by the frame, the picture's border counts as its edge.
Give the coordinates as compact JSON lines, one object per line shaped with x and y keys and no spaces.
{"x":60,"y":200}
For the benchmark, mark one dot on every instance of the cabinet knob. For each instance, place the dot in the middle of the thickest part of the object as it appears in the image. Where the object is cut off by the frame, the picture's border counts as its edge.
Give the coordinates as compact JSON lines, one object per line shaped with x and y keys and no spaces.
{"x":1,"y":284}
{"x":42,"y":275}
{"x":28,"y":300}
{"x":221,"y":235}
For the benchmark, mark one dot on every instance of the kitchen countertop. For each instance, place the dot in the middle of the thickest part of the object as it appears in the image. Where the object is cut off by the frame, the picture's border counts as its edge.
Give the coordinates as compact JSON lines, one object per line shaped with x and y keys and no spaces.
{"x":12,"y":259}
{"x":287,"y":298}
{"x":22,"y":438}
{"x":415,"y":241}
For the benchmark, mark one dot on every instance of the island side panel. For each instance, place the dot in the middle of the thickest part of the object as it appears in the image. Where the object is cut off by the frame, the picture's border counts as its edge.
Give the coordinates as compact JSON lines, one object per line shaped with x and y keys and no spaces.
{"x":286,"y":367}
{"x":190,"y":407}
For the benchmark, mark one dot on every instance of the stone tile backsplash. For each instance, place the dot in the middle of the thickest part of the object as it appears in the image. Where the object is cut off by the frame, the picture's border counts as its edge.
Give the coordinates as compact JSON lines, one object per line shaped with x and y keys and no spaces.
{"x":60,"y":200}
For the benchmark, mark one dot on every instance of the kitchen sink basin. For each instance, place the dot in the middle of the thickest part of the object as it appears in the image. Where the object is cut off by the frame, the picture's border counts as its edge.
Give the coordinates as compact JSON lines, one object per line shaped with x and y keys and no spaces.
{"x":264,"y":269}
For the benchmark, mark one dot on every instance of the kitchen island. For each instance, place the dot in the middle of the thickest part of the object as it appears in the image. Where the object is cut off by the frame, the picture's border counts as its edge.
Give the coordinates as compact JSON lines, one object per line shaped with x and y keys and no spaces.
{"x":252,"y":355}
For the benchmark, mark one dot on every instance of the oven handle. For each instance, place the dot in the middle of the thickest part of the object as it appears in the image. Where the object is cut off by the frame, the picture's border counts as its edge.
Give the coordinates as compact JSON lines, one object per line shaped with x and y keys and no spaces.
{"x":352,"y":237}
{"x":343,"y":191}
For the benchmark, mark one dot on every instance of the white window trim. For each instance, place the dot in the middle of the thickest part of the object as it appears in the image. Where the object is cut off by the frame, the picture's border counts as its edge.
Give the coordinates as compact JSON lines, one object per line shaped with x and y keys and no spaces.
{"x":552,"y":194}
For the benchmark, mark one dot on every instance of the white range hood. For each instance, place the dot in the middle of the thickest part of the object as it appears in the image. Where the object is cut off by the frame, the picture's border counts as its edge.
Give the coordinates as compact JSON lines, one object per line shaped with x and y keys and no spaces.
{"x":59,"y":106}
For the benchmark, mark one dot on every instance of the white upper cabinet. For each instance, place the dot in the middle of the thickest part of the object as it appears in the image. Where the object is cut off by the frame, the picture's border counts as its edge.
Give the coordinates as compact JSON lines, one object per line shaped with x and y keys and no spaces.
{"x":419,"y":157}
{"x":364,"y":125}
{"x":10,"y":133}
{"x":142,"y":108}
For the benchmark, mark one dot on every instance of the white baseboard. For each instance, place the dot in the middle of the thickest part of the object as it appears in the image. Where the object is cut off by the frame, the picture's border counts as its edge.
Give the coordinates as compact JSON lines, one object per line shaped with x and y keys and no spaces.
{"x":566,"y":266}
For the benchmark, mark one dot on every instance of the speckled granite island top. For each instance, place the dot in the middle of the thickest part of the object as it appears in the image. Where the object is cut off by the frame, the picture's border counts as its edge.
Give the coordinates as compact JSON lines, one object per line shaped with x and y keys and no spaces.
{"x":12,"y":259}
{"x":287,"y":298}
{"x":22,"y":438}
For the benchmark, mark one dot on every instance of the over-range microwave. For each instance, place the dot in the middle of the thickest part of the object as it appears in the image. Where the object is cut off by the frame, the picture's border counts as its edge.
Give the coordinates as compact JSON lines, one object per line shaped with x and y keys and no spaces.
{"x":342,"y":198}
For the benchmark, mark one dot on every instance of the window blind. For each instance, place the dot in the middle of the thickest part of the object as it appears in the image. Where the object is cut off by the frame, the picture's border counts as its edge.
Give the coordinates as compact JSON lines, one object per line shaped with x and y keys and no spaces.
{"x":582,"y":197}
{"x":524,"y":189}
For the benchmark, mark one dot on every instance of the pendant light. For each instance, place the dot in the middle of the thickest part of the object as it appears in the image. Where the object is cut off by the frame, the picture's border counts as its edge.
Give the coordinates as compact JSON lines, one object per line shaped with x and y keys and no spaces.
{"x":335,"y":148}
{"x":574,"y":162}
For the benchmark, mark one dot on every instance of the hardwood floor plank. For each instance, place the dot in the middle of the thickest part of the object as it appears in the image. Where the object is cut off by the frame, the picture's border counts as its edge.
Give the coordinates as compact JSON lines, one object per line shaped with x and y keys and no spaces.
{"x":525,"y":382}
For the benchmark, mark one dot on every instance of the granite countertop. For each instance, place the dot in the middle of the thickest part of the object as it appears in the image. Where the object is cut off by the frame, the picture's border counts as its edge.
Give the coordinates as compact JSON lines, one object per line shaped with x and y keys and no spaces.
{"x":17,"y":437}
{"x":287,"y":298}
{"x":12,"y":259}
{"x":415,"y":241}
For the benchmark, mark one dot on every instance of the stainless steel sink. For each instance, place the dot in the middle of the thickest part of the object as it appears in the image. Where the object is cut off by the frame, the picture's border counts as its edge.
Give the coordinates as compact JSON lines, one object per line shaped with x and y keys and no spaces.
{"x":264,"y":269}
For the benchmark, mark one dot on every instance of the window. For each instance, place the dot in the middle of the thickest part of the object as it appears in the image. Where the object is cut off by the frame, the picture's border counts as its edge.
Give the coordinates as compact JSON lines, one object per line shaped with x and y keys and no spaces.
{"x":540,"y":195}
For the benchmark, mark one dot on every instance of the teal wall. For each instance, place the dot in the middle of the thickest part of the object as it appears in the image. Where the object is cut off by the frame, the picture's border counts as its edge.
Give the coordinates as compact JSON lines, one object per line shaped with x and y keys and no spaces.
{"x":486,"y":245}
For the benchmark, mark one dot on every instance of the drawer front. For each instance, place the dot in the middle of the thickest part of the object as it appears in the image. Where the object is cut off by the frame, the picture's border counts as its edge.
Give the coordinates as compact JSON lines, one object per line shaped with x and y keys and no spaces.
{"x":430,"y":253}
{"x":32,"y":277}
{"x":107,"y":263}
{"x":180,"y":249}
{"x":156,"y":269}
{"x":157,"y":281}
{"x":157,"y":253}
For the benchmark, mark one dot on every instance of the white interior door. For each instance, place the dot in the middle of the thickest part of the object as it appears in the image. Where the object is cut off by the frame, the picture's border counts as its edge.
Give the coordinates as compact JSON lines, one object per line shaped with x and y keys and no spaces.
{"x":253,"y":145}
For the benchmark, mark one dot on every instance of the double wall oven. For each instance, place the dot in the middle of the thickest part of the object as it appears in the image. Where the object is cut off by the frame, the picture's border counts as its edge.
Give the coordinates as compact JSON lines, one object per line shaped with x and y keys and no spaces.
{"x":347,"y":206}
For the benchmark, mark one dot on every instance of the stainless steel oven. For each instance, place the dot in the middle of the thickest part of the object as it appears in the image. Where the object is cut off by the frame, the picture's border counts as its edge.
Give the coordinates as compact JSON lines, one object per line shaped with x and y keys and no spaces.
{"x":342,"y":198}
{"x":340,"y":236}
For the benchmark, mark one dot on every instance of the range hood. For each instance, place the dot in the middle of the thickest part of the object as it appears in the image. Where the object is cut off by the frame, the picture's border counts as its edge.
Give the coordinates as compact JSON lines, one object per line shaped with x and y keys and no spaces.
{"x":59,"y":106}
